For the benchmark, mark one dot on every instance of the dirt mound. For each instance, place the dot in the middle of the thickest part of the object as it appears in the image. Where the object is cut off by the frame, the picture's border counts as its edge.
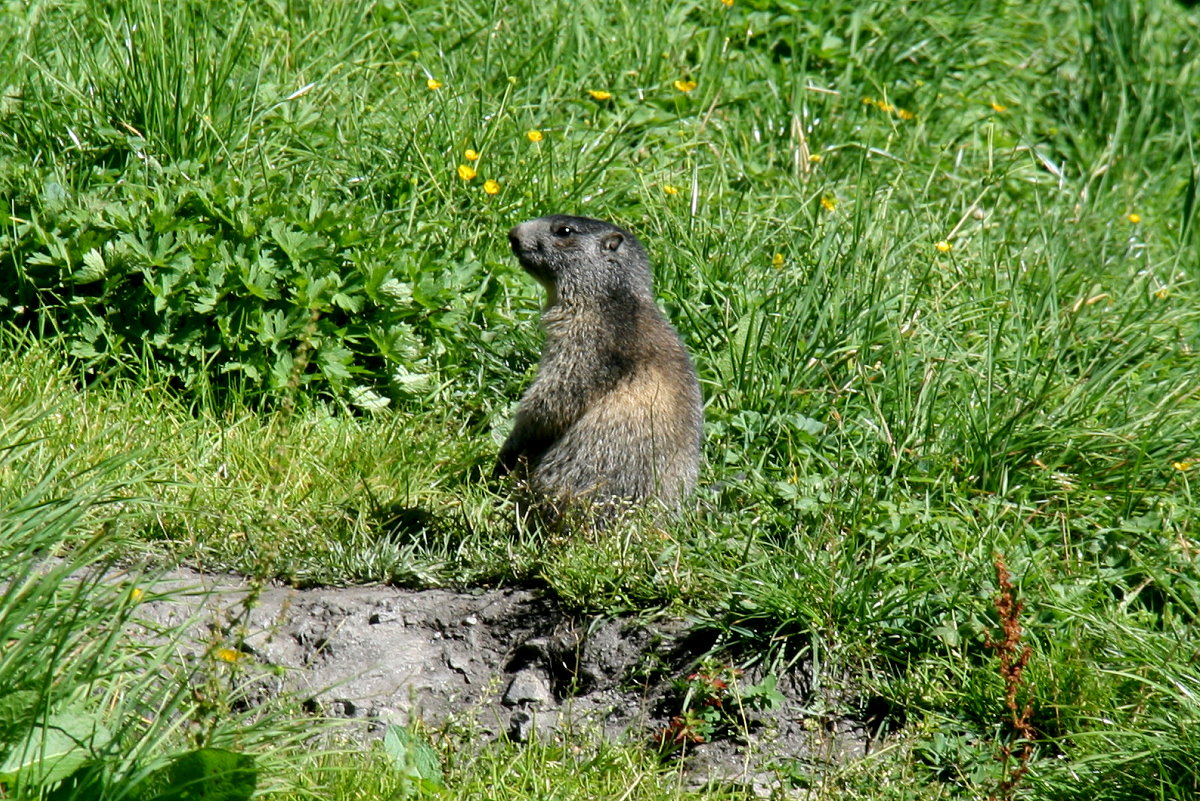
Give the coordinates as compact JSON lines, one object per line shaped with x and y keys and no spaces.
{"x":509,"y":659}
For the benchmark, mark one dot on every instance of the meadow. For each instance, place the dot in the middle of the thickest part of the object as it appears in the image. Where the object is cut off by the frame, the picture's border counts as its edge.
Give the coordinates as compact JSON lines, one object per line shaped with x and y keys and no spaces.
{"x":937,"y":264}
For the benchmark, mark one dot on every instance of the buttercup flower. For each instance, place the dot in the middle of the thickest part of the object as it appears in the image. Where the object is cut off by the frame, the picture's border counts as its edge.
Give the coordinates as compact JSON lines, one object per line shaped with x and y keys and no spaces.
{"x":999,"y":108}
{"x":466,"y":172}
{"x":828,"y":203}
{"x":685,"y":86}
{"x":534,"y":135}
{"x":670,"y":190}
{"x":471,"y":155}
{"x":227,"y":655}
{"x":433,"y":84}
{"x":905,"y":114}
{"x":777,"y":260}
{"x":491,"y":186}
{"x":1134,"y":218}
{"x":600,"y":94}
{"x":944,"y":246}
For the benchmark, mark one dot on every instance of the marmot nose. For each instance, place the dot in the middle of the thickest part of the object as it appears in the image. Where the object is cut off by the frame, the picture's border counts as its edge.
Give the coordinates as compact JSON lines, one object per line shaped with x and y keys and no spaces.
{"x":514,"y":240}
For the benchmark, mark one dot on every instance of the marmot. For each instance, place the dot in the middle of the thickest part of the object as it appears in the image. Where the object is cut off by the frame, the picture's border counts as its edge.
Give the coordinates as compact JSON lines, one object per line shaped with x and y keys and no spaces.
{"x":613,"y":417}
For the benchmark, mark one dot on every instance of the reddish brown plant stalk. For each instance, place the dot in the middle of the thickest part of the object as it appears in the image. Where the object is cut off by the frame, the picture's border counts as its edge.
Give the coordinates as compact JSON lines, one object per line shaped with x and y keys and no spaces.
{"x":1013,"y":657}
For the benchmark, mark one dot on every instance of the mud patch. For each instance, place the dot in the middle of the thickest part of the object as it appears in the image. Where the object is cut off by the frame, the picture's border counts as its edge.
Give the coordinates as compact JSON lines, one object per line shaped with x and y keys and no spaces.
{"x":509,"y":660}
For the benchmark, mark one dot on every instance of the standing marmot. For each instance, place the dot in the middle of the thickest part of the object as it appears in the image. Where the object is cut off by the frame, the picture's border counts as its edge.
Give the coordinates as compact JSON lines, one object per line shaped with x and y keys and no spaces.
{"x":613,"y":416}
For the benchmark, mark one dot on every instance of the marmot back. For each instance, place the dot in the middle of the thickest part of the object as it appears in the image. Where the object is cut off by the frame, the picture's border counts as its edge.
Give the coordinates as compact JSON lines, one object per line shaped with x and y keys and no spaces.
{"x":613,"y":417}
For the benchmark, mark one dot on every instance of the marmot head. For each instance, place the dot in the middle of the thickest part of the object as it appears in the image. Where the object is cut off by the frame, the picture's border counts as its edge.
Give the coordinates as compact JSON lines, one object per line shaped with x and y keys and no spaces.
{"x":578,"y":258}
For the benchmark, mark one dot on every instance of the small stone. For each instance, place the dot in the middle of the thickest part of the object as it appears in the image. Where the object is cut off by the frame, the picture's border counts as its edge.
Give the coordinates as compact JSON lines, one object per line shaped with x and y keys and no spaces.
{"x":343,"y":708}
{"x":460,"y":663}
{"x":384,"y":612}
{"x":527,"y":687}
{"x":520,"y":726}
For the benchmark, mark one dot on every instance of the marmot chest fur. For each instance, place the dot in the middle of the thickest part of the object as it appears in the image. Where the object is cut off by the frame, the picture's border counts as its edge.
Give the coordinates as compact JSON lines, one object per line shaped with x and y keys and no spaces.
{"x":613,"y":416}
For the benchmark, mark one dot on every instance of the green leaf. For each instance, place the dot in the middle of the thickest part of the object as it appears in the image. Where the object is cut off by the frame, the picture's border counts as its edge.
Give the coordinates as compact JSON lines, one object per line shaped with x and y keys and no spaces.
{"x":17,"y":710}
{"x":408,"y":381}
{"x":764,"y":695}
{"x":210,"y":774}
{"x":52,"y":751}
{"x":366,"y":398}
{"x":413,"y":758}
{"x":350,"y":303}
{"x":93,"y":268}
{"x":335,"y":361}
{"x":297,"y":245}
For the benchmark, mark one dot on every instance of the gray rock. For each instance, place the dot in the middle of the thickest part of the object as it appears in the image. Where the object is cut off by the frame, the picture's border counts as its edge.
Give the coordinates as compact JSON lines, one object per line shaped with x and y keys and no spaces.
{"x":527,"y":687}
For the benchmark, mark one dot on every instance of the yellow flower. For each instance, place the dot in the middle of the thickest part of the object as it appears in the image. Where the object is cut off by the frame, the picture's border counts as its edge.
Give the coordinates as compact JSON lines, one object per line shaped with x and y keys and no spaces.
{"x":828,"y":203}
{"x":728,"y":3}
{"x":136,"y":594}
{"x":905,"y":114}
{"x":815,"y":158}
{"x":227,"y":655}
{"x":491,"y":186}
{"x":471,"y":155}
{"x":534,"y":135}
{"x":999,"y":108}
{"x":670,"y":190}
{"x":943,"y":246}
{"x":685,"y":86}
{"x":1161,"y":293}
{"x":777,"y":260}
{"x":466,"y":172}
{"x":868,"y":101}
{"x":600,"y":94}
{"x":433,"y":84}
{"x":887,"y":108}
{"x":1134,"y":218}
{"x":1181,"y":466}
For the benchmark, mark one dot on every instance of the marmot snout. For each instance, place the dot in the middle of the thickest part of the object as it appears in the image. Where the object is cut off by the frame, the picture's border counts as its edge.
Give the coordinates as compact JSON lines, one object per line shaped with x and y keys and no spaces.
{"x":613,"y":416}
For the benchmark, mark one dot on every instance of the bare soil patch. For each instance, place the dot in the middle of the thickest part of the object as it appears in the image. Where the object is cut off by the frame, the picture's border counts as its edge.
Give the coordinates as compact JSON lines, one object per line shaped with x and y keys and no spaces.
{"x":510,"y":660}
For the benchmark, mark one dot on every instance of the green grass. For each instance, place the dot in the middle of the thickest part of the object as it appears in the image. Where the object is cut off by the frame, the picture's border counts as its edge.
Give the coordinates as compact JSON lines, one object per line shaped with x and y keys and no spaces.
{"x":85,"y":710}
{"x":937,"y":270}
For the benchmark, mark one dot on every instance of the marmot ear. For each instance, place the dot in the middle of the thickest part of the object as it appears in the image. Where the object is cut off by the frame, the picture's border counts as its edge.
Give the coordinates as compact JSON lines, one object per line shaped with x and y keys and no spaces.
{"x":611,"y":241}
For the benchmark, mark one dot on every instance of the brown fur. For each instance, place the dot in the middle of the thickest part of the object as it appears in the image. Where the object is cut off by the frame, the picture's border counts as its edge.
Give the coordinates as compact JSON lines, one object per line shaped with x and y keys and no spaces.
{"x":613,"y":417}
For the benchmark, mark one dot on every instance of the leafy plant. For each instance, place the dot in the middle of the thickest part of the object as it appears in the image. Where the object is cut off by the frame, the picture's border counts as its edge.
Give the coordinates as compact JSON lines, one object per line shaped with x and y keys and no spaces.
{"x":413,"y":759}
{"x":713,"y":703}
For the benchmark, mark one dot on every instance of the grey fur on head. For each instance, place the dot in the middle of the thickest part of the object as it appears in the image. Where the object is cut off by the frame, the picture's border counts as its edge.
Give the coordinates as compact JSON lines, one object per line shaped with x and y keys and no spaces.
{"x":615,"y":257}
{"x":613,"y":417}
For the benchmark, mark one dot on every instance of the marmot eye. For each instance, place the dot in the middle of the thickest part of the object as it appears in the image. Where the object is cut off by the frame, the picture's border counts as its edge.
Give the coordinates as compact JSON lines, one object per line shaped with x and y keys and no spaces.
{"x":563,"y":230}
